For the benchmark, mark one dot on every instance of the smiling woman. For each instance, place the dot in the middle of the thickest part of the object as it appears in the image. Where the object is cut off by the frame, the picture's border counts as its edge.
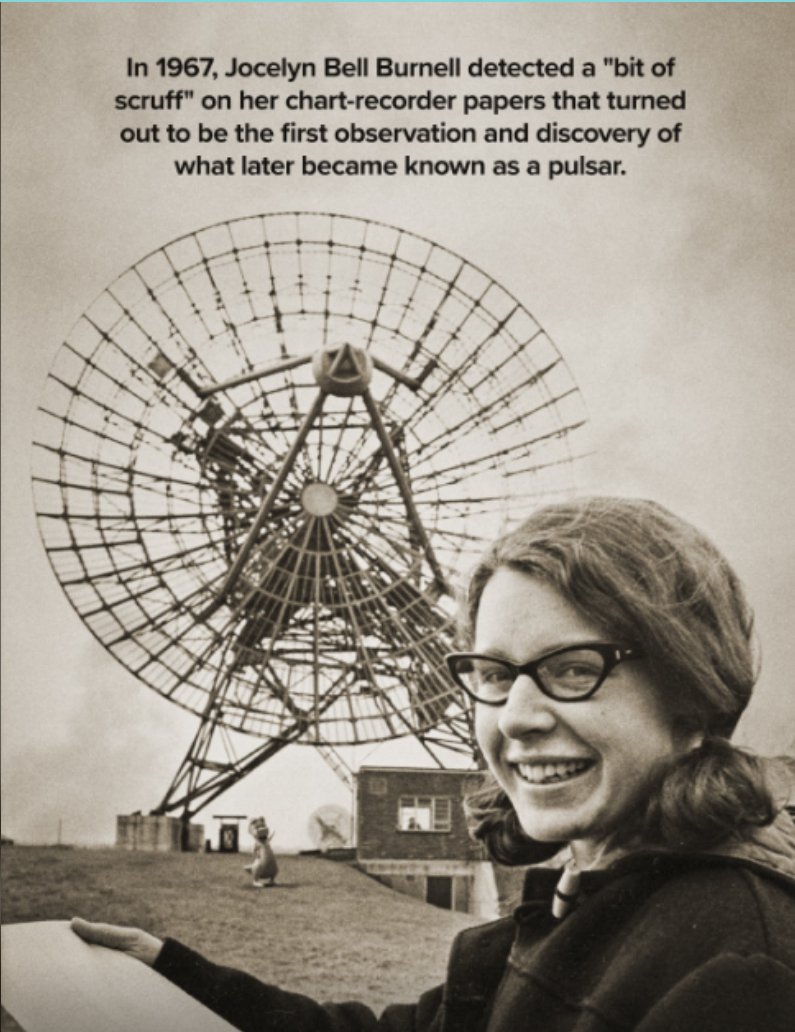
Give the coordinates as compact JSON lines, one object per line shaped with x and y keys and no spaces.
{"x":629,"y":571}
{"x":573,"y":766}
{"x":611,"y":657}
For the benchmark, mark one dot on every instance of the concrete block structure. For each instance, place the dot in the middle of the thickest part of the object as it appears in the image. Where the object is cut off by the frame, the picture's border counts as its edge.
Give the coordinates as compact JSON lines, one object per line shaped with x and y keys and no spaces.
{"x":157,"y":834}
{"x":412,"y":835}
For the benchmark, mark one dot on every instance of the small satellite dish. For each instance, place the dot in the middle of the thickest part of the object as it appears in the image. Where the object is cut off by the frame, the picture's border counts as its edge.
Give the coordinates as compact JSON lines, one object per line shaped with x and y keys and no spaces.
{"x":330,"y":828}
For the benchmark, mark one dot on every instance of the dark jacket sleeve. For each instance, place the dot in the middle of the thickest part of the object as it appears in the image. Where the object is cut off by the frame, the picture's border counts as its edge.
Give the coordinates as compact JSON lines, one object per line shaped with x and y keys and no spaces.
{"x":728,"y":994}
{"x":254,"y":1006}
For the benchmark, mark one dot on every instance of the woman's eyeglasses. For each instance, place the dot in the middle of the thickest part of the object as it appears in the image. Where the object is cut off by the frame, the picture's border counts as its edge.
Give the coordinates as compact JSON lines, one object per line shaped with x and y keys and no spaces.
{"x":570,"y":674}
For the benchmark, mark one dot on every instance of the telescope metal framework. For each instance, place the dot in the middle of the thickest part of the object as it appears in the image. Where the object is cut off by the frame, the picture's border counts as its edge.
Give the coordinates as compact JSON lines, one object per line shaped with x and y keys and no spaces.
{"x":265,"y":455}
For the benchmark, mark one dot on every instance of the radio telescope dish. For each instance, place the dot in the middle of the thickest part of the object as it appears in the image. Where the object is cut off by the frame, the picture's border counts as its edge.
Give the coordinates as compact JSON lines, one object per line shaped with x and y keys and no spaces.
{"x":264,"y":455}
{"x":330,"y":828}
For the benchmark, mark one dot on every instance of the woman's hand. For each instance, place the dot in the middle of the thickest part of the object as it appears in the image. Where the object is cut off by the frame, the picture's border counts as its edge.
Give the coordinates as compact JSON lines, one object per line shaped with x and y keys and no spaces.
{"x":133,"y":941}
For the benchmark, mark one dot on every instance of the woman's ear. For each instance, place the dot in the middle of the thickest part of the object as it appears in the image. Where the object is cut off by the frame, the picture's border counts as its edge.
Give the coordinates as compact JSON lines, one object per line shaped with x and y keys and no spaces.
{"x":686,"y":736}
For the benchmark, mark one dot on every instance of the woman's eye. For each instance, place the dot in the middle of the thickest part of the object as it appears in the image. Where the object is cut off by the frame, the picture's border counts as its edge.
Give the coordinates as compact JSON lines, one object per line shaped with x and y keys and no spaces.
{"x":575,"y":671}
{"x":494,"y":675}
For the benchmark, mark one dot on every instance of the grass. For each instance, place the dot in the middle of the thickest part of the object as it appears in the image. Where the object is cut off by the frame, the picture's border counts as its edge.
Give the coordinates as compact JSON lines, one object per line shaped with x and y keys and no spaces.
{"x":325,"y":930}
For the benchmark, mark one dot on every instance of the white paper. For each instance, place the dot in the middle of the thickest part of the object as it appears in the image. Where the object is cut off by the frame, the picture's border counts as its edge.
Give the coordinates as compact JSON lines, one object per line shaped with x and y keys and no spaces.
{"x":55,"y":982}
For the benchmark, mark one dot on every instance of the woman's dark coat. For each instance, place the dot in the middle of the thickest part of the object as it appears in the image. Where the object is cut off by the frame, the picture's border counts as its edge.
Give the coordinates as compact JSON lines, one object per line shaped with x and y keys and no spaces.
{"x":660,"y":943}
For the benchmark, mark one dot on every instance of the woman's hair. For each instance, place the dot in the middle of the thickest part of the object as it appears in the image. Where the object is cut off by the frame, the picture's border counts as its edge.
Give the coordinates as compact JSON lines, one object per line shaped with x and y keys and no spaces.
{"x":650,"y":579}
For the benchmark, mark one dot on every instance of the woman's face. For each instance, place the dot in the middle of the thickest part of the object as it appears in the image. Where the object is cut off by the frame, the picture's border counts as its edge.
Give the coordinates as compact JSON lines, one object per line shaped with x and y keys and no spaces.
{"x":573,"y":770}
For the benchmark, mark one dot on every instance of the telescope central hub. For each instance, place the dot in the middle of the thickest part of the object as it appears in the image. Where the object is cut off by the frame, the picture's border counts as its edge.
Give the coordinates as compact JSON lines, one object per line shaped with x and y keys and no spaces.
{"x":319,"y":499}
{"x":343,"y":371}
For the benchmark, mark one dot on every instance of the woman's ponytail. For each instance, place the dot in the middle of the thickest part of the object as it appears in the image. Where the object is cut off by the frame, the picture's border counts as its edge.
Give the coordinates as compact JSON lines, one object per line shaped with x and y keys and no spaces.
{"x":708,"y":795}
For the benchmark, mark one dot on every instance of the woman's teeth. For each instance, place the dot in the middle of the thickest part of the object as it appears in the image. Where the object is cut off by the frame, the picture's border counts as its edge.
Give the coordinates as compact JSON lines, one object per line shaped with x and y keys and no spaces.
{"x":549,"y":773}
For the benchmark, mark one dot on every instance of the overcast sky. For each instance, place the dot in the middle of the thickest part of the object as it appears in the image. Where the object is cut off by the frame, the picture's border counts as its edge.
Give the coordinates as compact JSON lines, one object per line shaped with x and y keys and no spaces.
{"x":668,"y":291}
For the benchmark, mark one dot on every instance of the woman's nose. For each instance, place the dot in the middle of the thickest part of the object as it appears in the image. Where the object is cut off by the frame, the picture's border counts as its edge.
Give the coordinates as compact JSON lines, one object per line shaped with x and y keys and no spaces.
{"x":527,"y":710}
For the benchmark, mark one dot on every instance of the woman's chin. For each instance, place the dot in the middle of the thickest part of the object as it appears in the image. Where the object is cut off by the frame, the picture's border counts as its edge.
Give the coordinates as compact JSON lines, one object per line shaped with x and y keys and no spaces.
{"x":549,"y":831}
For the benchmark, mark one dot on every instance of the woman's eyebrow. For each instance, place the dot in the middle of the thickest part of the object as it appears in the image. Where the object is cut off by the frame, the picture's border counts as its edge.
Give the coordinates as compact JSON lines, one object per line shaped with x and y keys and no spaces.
{"x":498,"y":653}
{"x":492,"y":653}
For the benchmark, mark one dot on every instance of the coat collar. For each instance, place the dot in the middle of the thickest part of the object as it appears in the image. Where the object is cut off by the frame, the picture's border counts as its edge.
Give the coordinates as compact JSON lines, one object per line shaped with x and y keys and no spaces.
{"x":768,"y":851}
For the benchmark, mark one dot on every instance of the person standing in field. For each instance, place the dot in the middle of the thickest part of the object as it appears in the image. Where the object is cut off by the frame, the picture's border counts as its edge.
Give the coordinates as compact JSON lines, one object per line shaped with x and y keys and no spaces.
{"x":263,"y":867}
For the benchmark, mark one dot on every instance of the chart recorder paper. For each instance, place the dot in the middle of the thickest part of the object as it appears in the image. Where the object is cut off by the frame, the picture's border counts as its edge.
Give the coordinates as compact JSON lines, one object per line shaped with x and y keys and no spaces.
{"x":55,"y":982}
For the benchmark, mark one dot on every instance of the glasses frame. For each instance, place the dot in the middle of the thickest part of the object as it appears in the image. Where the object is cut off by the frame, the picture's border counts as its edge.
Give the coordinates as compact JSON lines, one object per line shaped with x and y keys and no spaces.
{"x":611,"y":652}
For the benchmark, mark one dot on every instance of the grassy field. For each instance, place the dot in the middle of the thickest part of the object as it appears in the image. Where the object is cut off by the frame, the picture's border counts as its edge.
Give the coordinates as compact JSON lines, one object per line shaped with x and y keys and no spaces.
{"x":325,"y":929}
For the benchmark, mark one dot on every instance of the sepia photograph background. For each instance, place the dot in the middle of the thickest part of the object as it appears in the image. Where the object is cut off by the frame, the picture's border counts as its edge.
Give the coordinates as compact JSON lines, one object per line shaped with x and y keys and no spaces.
{"x":668,"y":291}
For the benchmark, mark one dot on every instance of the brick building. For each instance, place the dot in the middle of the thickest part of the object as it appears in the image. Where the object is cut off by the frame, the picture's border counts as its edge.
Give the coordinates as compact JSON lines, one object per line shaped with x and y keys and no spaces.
{"x":412,"y":835}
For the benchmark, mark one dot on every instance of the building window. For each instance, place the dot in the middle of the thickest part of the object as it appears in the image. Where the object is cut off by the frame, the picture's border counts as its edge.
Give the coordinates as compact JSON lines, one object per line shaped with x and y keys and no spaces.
{"x":424,"y":813}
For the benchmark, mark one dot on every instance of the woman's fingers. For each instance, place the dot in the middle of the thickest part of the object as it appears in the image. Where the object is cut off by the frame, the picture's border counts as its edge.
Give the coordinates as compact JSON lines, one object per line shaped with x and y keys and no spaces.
{"x":136,"y":943}
{"x":113,"y":936}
